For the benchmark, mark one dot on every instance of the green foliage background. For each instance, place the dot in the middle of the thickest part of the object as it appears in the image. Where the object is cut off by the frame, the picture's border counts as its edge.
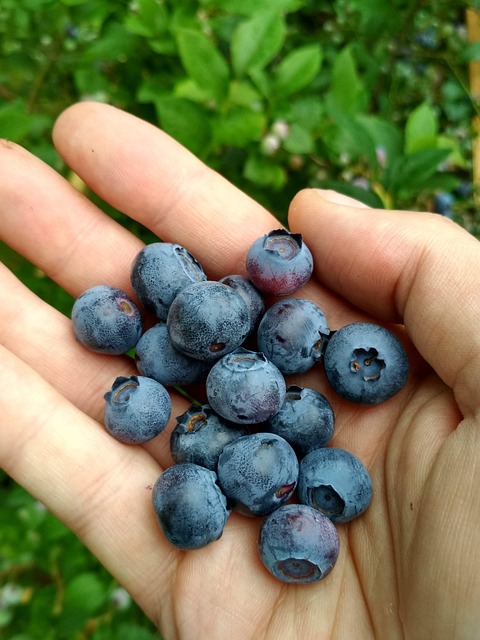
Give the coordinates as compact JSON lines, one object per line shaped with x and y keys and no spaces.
{"x":370,"y":98}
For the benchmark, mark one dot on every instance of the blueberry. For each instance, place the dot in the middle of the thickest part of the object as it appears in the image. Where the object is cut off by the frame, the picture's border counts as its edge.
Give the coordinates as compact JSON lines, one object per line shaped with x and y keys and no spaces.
{"x":251,"y":296}
{"x":292,"y":335}
{"x":257,"y":473}
{"x":244,"y":387}
{"x":137,"y":409}
{"x":207,"y":320}
{"x":189,"y":505}
{"x":335,"y":482}
{"x":200,"y":435}
{"x":279,"y":262}
{"x":298,"y":545}
{"x":106,"y":320}
{"x":443,"y":204}
{"x":306,"y":420}
{"x":365,"y":363}
{"x":157,"y":358}
{"x":159,"y":272}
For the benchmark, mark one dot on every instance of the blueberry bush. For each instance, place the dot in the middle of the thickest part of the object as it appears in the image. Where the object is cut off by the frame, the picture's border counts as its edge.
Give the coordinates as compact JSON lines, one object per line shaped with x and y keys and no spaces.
{"x":370,"y":98}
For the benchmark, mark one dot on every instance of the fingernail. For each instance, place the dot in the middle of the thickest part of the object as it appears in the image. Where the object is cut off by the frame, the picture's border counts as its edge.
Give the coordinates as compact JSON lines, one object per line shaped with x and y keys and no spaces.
{"x":339,"y":198}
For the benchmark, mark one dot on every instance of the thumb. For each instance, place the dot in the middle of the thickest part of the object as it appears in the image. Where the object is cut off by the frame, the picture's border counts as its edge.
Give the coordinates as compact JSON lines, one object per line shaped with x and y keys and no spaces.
{"x":401,"y":266}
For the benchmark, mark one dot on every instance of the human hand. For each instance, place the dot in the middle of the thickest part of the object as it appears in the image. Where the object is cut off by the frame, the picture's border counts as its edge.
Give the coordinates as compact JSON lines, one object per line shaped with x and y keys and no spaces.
{"x":408,"y":568}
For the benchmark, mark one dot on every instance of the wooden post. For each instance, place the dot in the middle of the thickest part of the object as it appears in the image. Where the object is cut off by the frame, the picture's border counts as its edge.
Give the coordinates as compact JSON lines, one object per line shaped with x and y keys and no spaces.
{"x":473,"y":30}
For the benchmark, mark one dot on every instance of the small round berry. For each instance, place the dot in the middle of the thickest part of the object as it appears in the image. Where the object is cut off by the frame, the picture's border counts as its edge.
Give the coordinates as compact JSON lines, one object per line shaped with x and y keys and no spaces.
{"x":156,"y":357}
{"x":245,"y":387}
{"x":258,"y":473}
{"x":365,"y":363}
{"x":200,"y":436}
{"x":106,"y":320}
{"x":298,"y":545}
{"x":207,"y":320}
{"x":189,"y":505}
{"x":137,"y":409}
{"x":306,"y":420}
{"x":292,"y":334}
{"x":335,"y":482}
{"x":279,"y":262}
{"x":159,"y":272}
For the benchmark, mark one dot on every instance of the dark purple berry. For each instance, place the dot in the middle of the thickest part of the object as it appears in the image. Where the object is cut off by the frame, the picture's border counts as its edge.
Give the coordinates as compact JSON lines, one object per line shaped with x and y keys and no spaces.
{"x":200,"y":436}
{"x":207,"y":320}
{"x":106,"y":320}
{"x":245,"y":387}
{"x":335,"y":482}
{"x":279,"y":262}
{"x":258,"y":473}
{"x":159,"y":272}
{"x":137,"y":409}
{"x":251,"y":296}
{"x":156,"y":357}
{"x":190,"y":507}
{"x":292,"y":334}
{"x":365,"y":363}
{"x":306,"y":420}
{"x":298,"y":545}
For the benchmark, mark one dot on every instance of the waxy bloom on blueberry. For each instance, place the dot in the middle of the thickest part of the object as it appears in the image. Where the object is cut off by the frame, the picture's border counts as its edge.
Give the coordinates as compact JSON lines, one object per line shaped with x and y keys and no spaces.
{"x":306,"y":420}
{"x":159,"y":272}
{"x":335,"y":482}
{"x":200,"y":436}
{"x":106,"y":320}
{"x":292,"y":334}
{"x":245,"y":387}
{"x":156,"y":357}
{"x":298,"y":545}
{"x":279,"y":262}
{"x":207,"y":320}
{"x":137,"y":409}
{"x":258,"y":473}
{"x":365,"y":363}
{"x":190,"y":507}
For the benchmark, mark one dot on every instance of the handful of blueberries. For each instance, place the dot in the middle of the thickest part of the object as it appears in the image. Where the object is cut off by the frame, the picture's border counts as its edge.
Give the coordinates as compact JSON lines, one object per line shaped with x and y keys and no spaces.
{"x":256,"y":441}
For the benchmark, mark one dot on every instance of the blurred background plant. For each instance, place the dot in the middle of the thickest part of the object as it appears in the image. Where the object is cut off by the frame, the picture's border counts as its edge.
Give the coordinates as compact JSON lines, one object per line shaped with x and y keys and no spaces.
{"x":369,"y":98}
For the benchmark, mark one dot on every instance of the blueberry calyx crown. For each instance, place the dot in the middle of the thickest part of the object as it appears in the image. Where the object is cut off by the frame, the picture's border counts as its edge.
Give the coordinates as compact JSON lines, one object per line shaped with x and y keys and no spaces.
{"x":363,"y":359}
{"x":284,"y":243}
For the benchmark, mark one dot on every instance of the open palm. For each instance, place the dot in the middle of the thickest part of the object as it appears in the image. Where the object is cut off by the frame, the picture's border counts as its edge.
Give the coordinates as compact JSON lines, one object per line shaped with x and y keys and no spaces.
{"x":410,"y":566}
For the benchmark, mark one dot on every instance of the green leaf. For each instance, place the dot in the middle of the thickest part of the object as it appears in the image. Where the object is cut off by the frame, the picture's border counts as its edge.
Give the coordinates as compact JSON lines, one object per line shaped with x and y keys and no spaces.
{"x":86,"y":592}
{"x":409,"y":173}
{"x":470,"y":52}
{"x":239,"y":127}
{"x":368,"y":197}
{"x":251,"y":7}
{"x":299,"y":140}
{"x":297,"y":69}
{"x":244,"y":94}
{"x":347,"y":92}
{"x":203,"y":62}
{"x":421,"y":129}
{"x":384,"y":134}
{"x":257,"y":40}
{"x":352,"y":138}
{"x":150,"y":19}
{"x":264,"y":171}
{"x":185,"y":121}
{"x":14,"y":121}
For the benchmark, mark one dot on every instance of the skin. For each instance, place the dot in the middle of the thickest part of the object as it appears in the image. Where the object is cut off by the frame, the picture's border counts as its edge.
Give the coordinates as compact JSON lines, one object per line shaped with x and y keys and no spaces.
{"x":409,"y":567}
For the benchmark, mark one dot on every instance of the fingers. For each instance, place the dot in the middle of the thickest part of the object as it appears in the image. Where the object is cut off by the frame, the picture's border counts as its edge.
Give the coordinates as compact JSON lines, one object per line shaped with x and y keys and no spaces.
{"x":94,"y":484}
{"x":420,"y":269}
{"x":143,"y":172}
{"x":43,"y":338}
{"x":55,"y":227}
